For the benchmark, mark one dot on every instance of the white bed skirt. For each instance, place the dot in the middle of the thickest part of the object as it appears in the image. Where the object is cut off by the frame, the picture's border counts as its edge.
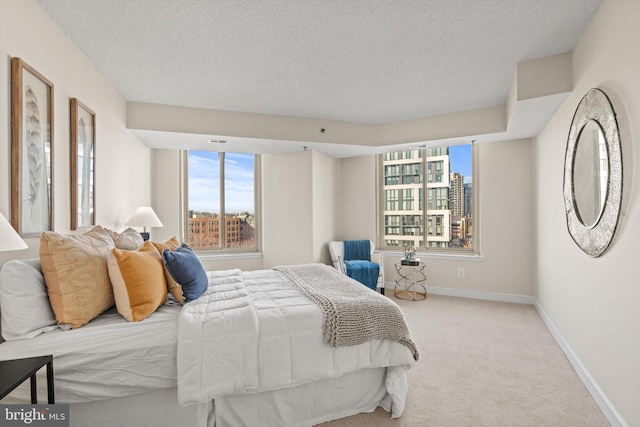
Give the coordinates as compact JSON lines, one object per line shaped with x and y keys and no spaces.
{"x":156,"y":408}
{"x":306,"y":404}
{"x":302,"y":405}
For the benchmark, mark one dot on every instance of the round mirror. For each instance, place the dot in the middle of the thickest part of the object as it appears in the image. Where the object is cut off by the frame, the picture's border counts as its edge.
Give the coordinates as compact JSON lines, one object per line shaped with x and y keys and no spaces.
{"x":593,"y":174}
{"x":590,"y":173}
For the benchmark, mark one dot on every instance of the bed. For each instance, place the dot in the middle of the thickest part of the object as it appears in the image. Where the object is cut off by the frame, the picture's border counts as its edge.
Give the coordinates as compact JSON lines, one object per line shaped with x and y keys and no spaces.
{"x":256,"y":348}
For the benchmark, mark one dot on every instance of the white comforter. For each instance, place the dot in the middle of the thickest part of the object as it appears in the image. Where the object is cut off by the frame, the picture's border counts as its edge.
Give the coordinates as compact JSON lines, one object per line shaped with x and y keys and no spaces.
{"x":255,"y":331}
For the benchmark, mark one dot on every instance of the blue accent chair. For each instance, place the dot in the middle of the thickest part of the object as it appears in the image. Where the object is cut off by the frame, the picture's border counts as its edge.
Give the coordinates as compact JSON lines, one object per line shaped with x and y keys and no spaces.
{"x":356,"y":259}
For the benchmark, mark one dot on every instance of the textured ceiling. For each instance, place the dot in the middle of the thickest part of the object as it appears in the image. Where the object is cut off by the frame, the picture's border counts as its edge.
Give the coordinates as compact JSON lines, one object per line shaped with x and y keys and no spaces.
{"x":360,"y":61}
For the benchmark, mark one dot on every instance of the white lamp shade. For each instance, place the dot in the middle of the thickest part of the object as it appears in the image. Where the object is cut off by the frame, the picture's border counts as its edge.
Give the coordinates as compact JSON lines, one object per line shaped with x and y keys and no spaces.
{"x":9,"y":239}
{"x":144,"y":216}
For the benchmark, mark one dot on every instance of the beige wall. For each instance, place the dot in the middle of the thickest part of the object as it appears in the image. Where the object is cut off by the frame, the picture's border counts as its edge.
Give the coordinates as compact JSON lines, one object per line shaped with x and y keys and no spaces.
{"x":288,"y":208}
{"x":358,"y":207}
{"x":122,"y":161}
{"x":165,"y":170}
{"x":594,"y":301}
{"x":327,"y":194}
{"x":171,"y":118}
{"x":301,"y":193}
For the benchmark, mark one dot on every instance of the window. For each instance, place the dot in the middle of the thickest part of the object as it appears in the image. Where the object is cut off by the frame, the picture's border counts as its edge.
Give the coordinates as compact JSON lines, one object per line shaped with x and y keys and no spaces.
{"x":391,"y":197}
{"x":221,"y":200}
{"x":412,"y":173}
{"x":428,"y":203}
{"x":391,"y":174}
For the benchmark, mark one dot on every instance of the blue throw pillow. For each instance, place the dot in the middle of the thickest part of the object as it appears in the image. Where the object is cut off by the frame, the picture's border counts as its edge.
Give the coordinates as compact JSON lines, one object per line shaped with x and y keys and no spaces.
{"x":187,"y":270}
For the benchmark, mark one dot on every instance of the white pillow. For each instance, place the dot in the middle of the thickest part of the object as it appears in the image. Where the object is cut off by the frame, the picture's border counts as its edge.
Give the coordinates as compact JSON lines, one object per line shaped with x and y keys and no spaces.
{"x":24,"y":304}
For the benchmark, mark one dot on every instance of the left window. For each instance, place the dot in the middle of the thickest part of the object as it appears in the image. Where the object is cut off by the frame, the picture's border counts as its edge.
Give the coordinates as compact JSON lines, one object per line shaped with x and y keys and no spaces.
{"x":221,"y":204}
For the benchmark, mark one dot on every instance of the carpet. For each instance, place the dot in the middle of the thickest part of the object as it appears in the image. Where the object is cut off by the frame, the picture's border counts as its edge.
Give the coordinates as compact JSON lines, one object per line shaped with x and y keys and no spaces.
{"x":485,"y":363}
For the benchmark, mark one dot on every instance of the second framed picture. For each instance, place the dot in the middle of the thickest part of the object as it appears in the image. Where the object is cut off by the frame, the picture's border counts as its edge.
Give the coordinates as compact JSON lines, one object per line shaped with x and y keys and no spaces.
{"x":83,"y":143}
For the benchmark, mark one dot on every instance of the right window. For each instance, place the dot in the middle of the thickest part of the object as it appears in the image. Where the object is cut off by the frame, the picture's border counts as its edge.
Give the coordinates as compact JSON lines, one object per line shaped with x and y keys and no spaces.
{"x":428,"y":198}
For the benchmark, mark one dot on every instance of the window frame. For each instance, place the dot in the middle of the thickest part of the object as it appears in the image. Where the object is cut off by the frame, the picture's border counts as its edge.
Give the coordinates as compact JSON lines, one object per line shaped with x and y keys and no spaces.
{"x":257,"y":203}
{"x":424,"y":190}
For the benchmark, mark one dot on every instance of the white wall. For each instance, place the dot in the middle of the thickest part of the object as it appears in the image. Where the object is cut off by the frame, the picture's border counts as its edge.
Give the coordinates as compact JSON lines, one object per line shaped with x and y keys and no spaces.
{"x":594,"y":301}
{"x":122,"y":161}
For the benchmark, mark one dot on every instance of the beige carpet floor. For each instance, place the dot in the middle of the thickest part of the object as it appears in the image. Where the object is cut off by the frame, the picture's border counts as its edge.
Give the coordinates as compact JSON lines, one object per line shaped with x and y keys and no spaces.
{"x":485,"y":363}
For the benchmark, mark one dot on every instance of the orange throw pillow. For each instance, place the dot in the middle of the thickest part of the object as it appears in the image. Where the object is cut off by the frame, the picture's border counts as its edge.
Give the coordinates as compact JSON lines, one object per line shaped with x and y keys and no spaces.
{"x":139,"y":285}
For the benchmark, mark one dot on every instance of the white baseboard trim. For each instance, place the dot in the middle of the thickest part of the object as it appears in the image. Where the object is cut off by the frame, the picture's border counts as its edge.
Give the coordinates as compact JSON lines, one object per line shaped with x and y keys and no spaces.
{"x":603,"y":402}
{"x":607,"y":408}
{"x":465,"y":293}
{"x":490,"y":296}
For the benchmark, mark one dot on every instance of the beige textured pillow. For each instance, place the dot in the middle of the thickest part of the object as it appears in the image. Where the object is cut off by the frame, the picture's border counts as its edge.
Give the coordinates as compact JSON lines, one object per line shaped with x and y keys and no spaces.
{"x":129,"y":239}
{"x":175,"y":289}
{"x":139,"y":286}
{"x":76,"y":275}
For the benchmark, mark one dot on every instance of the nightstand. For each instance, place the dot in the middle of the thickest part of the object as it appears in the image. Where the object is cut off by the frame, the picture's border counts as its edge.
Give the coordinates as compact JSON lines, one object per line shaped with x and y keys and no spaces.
{"x":15,"y":372}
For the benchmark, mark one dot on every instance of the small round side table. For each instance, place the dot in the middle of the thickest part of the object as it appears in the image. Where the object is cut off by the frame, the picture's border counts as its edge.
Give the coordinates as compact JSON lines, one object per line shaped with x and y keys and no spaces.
{"x":410,"y":280}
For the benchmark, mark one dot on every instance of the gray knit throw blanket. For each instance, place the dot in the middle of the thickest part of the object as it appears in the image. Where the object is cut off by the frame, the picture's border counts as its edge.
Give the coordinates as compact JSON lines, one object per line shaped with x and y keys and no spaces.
{"x":353,"y":313}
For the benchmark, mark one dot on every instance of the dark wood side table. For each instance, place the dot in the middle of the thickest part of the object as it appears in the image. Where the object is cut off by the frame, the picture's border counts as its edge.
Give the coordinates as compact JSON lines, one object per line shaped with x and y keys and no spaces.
{"x":15,"y":372}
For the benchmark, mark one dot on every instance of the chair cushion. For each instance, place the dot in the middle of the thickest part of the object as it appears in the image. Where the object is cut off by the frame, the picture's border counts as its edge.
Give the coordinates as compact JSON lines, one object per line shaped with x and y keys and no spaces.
{"x":365,"y":272}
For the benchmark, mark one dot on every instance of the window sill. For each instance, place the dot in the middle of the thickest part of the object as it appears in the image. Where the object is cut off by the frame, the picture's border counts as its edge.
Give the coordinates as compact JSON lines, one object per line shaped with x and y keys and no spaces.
{"x":211,"y":256}
{"x":444,"y":256}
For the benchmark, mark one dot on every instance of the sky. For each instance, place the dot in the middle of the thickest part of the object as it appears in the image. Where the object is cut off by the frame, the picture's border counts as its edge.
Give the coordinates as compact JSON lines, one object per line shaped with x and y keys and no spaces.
{"x":460,"y":158}
{"x":204,"y":182}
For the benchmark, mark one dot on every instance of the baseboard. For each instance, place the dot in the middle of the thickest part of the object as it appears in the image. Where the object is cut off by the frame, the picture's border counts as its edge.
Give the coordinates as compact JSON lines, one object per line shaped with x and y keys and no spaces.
{"x":603,"y":402}
{"x":465,"y":293}
{"x":607,"y":408}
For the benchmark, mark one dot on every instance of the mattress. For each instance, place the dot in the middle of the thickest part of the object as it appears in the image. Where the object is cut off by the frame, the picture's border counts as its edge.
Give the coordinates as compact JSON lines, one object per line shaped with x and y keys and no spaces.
{"x":108,"y":357}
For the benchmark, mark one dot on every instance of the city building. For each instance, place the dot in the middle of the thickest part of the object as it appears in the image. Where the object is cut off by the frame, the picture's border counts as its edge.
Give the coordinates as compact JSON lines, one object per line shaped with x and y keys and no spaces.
{"x":404,"y":214}
{"x":204,"y":231}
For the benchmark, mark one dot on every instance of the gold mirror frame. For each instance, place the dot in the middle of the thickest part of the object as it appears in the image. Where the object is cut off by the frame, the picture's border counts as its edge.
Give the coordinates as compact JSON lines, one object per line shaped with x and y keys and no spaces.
{"x":594,"y":239}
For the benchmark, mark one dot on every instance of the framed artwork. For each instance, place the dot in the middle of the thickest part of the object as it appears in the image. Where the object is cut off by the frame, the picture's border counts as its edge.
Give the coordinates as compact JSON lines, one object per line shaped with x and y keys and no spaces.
{"x":83,"y":143}
{"x":31,"y":150}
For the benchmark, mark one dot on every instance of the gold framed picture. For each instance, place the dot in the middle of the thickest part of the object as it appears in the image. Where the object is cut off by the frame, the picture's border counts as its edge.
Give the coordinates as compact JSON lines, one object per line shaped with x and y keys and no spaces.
{"x":31,"y":150}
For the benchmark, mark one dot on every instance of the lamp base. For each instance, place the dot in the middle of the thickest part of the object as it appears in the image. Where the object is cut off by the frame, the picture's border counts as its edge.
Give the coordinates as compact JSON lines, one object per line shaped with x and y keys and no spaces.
{"x":145,"y":235}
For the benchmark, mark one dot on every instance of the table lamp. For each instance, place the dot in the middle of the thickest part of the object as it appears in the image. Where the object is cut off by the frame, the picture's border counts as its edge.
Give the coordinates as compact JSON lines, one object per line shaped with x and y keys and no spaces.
{"x":144,"y":217}
{"x":9,"y":239}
